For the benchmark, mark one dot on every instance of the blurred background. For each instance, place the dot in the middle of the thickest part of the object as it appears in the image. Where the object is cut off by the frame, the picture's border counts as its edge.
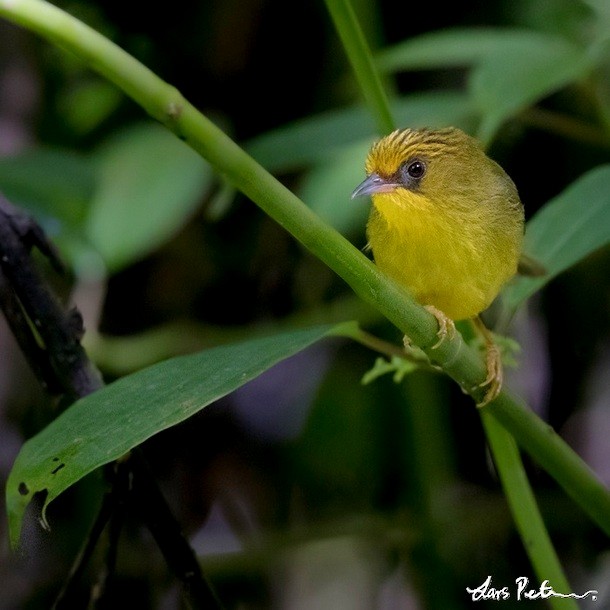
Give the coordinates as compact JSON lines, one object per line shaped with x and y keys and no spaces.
{"x":305,"y":488}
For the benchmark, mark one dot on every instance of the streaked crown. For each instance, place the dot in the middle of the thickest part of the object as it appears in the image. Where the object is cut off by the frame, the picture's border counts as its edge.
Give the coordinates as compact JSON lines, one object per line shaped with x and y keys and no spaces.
{"x":388,"y":154}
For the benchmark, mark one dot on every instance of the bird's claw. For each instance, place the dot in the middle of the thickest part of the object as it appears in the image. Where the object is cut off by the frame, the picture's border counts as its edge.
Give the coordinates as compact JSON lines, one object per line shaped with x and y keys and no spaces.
{"x":495,"y":375}
{"x":446,"y":326}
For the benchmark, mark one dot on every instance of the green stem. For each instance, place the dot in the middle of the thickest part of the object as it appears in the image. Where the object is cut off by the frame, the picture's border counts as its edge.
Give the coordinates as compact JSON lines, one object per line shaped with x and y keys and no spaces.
{"x":463,"y":364}
{"x":525,"y":511}
{"x":361,"y":60}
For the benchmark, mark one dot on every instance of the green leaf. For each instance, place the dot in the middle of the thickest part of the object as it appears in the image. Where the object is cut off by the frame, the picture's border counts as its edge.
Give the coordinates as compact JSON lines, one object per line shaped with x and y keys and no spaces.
{"x":321,"y":137}
{"x":150,"y":183}
{"x":515,"y":76}
{"x":567,"y":229}
{"x":105,"y":425}
{"x":450,"y":48}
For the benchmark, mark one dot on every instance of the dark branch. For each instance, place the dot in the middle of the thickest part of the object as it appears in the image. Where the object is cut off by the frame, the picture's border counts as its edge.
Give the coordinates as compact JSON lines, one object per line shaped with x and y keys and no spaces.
{"x":49,"y":337}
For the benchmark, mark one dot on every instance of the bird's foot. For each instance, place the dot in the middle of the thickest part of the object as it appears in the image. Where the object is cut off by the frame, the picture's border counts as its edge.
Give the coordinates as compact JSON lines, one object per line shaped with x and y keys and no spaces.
{"x":493,"y":364}
{"x":495,"y":375}
{"x":446,"y":326}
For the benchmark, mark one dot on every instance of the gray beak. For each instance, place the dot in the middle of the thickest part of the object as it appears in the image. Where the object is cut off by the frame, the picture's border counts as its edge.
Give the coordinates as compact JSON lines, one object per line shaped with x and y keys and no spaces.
{"x":374,"y":183}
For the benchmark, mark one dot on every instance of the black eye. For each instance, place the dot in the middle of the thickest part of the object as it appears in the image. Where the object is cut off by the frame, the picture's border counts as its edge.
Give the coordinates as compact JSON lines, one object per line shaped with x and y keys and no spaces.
{"x":415,"y":170}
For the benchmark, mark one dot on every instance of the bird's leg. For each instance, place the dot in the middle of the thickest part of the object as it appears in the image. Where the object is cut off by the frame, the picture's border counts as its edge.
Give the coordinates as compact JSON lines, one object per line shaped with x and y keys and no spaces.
{"x":493,"y":362}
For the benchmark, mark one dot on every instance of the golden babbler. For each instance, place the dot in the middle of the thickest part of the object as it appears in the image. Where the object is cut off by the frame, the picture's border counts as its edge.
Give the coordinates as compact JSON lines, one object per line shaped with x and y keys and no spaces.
{"x":447,"y":223}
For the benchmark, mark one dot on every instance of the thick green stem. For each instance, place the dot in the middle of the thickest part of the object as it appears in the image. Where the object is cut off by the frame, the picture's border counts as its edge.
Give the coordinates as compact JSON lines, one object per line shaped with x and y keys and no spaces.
{"x":463,"y":364}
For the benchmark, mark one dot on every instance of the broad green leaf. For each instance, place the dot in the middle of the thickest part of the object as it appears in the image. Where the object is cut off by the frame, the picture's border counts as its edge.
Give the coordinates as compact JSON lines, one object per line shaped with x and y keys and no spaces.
{"x":450,"y":48}
{"x":508,"y":80}
{"x":320,"y":137}
{"x":567,"y":229}
{"x":150,"y":183}
{"x":105,"y":425}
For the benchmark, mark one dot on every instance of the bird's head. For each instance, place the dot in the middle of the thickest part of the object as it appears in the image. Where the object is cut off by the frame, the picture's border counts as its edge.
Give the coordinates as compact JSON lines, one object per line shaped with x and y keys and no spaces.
{"x":436,"y":167}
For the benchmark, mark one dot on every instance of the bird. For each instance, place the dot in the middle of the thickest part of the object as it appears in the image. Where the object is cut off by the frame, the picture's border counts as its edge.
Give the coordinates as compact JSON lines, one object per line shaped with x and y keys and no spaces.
{"x":446,"y":223}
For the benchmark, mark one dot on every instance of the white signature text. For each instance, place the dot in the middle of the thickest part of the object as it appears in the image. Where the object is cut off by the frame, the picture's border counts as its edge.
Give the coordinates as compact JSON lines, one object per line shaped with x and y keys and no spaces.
{"x":522,"y":591}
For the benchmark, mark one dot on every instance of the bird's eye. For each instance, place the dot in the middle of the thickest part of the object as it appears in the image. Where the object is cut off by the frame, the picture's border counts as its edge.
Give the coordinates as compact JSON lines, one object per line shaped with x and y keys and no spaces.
{"x":415,"y":169}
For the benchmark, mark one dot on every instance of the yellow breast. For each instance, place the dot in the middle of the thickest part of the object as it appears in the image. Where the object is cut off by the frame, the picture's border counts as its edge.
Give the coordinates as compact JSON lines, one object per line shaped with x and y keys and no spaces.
{"x":454,"y":259}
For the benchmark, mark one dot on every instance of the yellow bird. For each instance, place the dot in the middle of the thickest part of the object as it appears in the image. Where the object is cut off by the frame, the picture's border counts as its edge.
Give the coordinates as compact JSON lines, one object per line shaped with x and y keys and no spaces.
{"x":447,"y":223}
